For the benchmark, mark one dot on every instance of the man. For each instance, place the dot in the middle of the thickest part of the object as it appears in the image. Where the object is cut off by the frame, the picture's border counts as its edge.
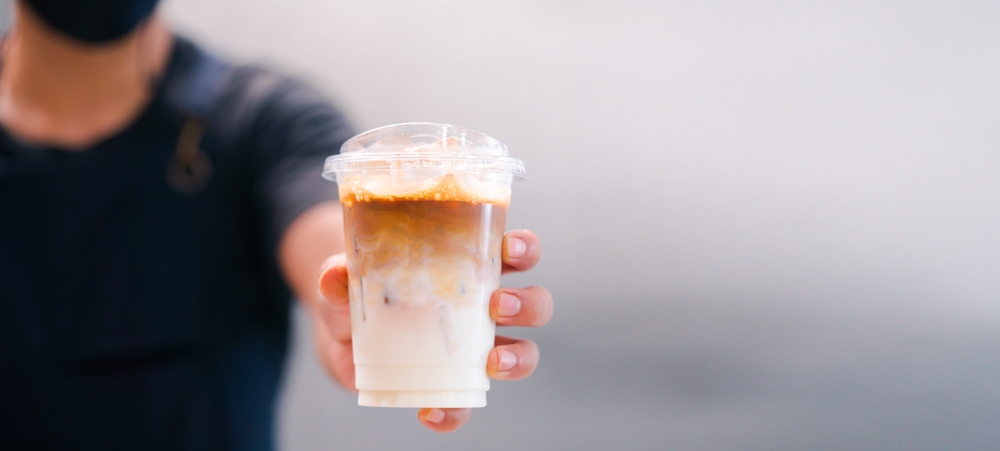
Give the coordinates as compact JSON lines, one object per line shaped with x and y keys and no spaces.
{"x":158,"y":207}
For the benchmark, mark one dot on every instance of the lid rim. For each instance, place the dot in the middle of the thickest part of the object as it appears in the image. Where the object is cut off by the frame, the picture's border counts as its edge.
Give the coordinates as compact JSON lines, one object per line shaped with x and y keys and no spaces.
{"x":439,"y":162}
{"x":389,"y":156}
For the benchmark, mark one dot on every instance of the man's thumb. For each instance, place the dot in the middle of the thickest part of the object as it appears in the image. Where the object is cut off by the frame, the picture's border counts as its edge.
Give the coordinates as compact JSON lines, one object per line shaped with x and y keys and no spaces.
{"x":333,"y":280}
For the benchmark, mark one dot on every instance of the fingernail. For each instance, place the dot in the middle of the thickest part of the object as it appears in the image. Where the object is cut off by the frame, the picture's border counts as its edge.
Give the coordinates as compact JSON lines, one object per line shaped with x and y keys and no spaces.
{"x":509,"y":305}
{"x":435,"y":416}
{"x":507,"y":360}
{"x":516,"y":247}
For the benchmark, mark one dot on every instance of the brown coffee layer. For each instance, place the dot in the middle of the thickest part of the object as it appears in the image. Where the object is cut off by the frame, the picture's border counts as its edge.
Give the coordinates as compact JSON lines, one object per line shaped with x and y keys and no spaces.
{"x":456,"y":245}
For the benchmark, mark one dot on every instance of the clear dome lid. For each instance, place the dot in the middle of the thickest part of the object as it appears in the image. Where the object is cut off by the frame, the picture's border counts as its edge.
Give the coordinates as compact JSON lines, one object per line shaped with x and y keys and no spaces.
{"x":423,"y":145}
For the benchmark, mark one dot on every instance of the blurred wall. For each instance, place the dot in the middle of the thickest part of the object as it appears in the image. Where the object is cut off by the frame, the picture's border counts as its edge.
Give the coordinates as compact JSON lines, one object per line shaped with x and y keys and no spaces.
{"x":5,"y":15}
{"x":797,"y":151}
{"x":768,"y":225}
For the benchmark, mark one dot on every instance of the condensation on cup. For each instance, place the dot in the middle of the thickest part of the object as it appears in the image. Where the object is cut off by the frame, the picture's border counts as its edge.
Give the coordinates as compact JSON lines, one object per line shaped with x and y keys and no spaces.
{"x":424,"y":211}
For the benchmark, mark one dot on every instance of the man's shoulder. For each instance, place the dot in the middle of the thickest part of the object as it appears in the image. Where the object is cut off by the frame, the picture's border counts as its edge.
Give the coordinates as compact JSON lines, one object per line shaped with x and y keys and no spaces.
{"x":203,"y":84}
{"x":265,"y":95}
{"x":241,"y":101}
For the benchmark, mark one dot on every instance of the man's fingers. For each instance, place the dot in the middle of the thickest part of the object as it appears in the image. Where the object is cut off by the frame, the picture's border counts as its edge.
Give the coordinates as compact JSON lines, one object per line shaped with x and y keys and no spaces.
{"x":333,"y":322}
{"x":336,"y":318}
{"x":512,"y":358}
{"x":336,"y":356}
{"x":444,"y":420}
{"x":333,"y":280}
{"x":521,"y":250}
{"x":334,"y":310}
{"x":531,"y":307}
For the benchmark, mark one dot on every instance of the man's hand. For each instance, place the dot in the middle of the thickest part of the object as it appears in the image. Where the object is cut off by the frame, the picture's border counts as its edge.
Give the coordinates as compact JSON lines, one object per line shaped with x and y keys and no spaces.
{"x":510,"y":359}
{"x":318,"y":233}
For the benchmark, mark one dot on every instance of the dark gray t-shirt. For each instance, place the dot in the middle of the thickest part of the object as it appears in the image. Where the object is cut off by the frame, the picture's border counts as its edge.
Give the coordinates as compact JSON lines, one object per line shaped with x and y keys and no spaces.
{"x":141,"y":305}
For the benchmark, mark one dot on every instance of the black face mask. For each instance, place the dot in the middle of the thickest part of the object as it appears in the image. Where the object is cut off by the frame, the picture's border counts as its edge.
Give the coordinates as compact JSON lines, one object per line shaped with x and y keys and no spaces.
{"x":93,"y":21}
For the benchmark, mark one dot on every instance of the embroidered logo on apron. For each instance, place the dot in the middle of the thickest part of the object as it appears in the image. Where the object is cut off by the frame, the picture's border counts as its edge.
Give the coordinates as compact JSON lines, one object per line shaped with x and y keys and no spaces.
{"x":190,"y":169}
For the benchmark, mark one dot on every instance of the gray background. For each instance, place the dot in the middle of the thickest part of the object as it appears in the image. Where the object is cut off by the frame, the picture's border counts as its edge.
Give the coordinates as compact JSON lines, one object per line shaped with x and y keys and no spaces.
{"x":767,"y":225}
{"x":5,"y":14}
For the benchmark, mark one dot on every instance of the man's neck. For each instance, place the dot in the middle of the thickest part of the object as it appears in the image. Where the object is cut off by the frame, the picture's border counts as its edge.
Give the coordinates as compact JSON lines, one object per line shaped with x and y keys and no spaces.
{"x":58,"y":91}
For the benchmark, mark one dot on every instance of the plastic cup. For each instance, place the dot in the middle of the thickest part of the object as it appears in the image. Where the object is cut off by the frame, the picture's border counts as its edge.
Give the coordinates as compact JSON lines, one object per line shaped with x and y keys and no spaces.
{"x":424,"y":211}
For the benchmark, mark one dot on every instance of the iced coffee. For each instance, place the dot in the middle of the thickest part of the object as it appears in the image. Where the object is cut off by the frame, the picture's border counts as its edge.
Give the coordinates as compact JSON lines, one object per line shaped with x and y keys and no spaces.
{"x":424,"y":210}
